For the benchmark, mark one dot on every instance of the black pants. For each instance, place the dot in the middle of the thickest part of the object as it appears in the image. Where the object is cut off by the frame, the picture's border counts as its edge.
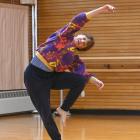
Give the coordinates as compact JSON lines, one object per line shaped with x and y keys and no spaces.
{"x":39,"y":83}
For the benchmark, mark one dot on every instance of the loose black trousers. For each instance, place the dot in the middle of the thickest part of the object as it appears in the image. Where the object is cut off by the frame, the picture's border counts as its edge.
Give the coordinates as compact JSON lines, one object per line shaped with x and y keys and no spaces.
{"x":39,"y":83}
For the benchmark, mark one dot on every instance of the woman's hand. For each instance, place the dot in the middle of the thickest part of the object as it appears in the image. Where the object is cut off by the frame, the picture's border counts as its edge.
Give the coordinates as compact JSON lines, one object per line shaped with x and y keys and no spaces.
{"x":99,"y":84}
{"x":108,"y":8}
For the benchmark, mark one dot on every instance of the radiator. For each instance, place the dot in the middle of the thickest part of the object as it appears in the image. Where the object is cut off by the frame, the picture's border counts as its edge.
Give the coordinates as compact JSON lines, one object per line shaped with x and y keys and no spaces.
{"x":15,"y":102}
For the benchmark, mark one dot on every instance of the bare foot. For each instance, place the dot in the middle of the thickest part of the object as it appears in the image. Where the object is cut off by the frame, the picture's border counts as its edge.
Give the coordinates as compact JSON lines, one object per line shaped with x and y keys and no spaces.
{"x":63,"y":115}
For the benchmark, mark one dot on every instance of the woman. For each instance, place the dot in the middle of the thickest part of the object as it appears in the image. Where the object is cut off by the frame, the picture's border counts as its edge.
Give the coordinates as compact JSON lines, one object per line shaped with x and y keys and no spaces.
{"x":55,"y":66}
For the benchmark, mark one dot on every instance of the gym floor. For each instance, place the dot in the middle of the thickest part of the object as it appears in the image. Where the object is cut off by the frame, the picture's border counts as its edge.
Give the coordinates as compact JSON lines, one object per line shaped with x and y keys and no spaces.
{"x":78,"y":127}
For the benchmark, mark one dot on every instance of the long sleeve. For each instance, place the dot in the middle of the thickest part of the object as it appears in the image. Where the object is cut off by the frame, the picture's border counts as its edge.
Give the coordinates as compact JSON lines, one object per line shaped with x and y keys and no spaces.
{"x":74,"y":25}
{"x":58,"y":45}
{"x":79,"y":67}
{"x":66,"y":33}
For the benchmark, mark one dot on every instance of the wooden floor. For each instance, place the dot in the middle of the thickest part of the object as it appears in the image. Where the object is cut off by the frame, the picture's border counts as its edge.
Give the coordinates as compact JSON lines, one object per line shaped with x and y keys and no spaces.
{"x":79,"y":127}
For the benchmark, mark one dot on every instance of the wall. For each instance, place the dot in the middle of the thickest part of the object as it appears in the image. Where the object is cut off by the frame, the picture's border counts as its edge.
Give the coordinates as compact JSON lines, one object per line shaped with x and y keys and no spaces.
{"x":115,"y":58}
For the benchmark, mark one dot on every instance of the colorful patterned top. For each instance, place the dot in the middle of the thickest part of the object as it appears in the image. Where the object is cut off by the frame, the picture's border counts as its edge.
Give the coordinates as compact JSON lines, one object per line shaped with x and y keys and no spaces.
{"x":58,"y":52}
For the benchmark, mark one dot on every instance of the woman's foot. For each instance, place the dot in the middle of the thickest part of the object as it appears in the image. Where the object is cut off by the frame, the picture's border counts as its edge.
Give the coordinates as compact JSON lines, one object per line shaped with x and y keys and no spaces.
{"x":63,"y":115}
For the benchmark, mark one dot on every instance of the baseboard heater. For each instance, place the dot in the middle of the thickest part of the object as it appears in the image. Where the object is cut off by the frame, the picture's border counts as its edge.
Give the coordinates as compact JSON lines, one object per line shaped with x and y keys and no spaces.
{"x":15,"y":102}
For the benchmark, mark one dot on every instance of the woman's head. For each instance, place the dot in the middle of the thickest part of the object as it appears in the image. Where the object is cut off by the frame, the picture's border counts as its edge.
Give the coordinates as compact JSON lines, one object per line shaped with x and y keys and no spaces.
{"x":83,"y":42}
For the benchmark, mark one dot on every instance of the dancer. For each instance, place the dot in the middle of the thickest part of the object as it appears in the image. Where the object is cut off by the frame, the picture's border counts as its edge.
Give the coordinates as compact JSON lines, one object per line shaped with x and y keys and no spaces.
{"x":56,"y":66}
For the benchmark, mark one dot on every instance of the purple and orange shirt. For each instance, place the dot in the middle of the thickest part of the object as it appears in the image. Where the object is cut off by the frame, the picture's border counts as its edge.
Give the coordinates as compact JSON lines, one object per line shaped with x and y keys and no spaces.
{"x":58,"y":52}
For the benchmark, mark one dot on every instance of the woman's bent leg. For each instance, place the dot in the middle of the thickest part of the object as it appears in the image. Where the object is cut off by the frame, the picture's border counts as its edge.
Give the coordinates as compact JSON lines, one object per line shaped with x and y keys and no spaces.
{"x":74,"y":82}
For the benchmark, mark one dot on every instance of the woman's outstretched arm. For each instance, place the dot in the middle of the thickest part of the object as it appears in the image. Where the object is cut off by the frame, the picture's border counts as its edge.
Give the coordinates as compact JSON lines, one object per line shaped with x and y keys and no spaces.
{"x":104,"y":9}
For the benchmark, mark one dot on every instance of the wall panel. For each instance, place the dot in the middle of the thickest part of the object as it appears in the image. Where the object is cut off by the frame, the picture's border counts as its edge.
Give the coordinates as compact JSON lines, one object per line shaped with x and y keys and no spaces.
{"x":115,"y":57}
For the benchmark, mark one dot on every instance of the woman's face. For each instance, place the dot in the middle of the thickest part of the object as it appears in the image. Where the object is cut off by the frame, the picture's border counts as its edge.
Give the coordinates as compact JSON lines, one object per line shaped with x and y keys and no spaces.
{"x":80,"y":41}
